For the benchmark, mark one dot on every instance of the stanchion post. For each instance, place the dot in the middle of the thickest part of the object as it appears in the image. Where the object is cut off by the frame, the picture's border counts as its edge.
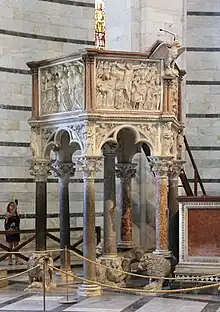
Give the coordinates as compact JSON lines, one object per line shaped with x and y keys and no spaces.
{"x":66,"y":265}
{"x":44,"y":285}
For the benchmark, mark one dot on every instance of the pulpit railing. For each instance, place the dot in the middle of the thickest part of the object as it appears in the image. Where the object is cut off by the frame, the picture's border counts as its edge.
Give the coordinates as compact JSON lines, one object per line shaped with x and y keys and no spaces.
{"x":196,"y":179}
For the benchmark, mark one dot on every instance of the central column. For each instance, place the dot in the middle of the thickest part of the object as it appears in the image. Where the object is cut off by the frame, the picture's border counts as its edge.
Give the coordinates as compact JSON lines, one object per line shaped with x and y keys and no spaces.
{"x":40,"y":169}
{"x":89,"y":165}
{"x":63,"y":170}
{"x":126,"y":171}
{"x":110,"y":243}
{"x":160,"y":167}
{"x":173,"y":205}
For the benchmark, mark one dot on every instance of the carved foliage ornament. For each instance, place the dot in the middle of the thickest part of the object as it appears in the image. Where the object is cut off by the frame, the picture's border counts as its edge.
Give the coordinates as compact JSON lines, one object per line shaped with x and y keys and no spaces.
{"x":126,"y":171}
{"x":160,"y":166}
{"x":88,"y":165}
{"x":128,"y":85}
{"x":168,"y":140}
{"x":61,"y":88}
{"x":39,"y":169}
{"x":86,"y":134}
{"x":63,"y":170}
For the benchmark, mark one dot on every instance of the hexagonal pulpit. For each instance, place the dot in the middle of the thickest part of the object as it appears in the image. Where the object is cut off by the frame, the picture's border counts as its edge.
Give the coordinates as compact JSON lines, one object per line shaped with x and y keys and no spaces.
{"x":111,"y":104}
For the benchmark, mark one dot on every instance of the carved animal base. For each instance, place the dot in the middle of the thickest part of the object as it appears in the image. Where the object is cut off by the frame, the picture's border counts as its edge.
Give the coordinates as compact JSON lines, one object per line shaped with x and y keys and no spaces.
{"x":38,"y":287}
{"x":112,"y":271}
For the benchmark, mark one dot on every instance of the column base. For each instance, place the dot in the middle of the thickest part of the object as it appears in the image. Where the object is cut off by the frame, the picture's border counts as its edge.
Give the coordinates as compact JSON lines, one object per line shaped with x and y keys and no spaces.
{"x":109,"y":256}
{"x":110,"y":271}
{"x":125,"y":245}
{"x":89,"y":290}
{"x":163,"y":252}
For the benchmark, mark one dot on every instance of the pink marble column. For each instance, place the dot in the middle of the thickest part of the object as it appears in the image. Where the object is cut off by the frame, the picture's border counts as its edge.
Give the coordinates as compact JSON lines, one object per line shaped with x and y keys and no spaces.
{"x":126,"y":171}
{"x":160,"y":167}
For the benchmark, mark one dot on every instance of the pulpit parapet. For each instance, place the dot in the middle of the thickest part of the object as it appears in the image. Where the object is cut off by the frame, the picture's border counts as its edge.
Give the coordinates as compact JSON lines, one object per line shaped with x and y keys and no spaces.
{"x":93,"y":94}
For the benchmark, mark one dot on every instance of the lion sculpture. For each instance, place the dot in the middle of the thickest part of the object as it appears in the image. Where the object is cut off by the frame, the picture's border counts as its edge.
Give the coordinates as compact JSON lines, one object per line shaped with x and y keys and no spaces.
{"x":36,"y":276}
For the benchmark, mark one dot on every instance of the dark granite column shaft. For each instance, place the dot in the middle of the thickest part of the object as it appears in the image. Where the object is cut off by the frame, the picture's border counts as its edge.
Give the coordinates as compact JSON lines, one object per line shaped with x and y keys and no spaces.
{"x":40,"y":169}
{"x":64,"y":222}
{"x":110,"y":243}
{"x":126,"y":171}
{"x":63,"y":170}
{"x":41,"y":215}
{"x":89,"y":165}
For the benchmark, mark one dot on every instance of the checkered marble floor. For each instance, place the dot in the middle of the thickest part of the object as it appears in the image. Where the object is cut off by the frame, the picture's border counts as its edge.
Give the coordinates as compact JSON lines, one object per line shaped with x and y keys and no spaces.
{"x":12,"y":300}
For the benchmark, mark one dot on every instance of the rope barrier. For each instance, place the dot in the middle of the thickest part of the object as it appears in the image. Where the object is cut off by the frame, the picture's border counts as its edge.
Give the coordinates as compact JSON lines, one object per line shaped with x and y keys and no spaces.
{"x":136,"y":290}
{"x":19,"y":274}
{"x":139,"y":275}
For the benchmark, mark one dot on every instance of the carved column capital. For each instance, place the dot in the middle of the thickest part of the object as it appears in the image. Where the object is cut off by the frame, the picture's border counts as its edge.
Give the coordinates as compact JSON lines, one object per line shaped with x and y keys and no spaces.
{"x":88,"y":165}
{"x":40,"y":169}
{"x":160,"y":165}
{"x":125,"y":171}
{"x":109,"y":149}
{"x":63,"y":170}
{"x":175,"y":169}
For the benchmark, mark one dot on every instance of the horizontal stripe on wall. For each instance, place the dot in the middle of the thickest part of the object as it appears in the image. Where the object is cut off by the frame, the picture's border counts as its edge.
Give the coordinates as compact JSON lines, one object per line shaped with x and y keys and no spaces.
{"x":205,"y":148}
{"x":47,"y":38}
{"x":202,"y":13}
{"x":206,"y":180}
{"x":16,"y":107}
{"x":74,"y":3}
{"x":54,"y":215}
{"x":202,"y":49}
{"x":14,"y":144}
{"x":203,"y":115}
{"x":31,"y":180}
{"x":202,"y":83}
{"x":15,"y":70}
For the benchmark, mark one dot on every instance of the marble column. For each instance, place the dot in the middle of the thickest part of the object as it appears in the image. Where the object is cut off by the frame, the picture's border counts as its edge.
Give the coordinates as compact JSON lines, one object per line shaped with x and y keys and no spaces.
{"x":110,"y":243}
{"x":173,"y":205}
{"x":64,"y":170}
{"x":126,"y":171}
{"x":40,"y":169}
{"x":89,"y":165}
{"x":160,"y":166}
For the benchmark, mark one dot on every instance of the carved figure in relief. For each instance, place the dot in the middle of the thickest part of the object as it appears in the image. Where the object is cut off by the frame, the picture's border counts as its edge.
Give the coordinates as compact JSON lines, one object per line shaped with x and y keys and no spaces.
{"x":168,"y":139}
{"x":75,"y":84}
{"x":128,"y":85}
{"x":63,"y":90}
{"x":48,"y":92}
{"x":35,"y":143}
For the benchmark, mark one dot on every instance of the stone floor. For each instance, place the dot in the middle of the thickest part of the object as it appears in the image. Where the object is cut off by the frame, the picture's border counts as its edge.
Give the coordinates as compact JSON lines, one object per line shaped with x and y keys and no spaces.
{"x":13,"y":298}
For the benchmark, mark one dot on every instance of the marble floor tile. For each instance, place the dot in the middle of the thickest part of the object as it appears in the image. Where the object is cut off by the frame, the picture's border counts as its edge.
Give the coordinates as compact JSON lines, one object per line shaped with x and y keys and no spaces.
{"x":172,"y":305}
{"x":111,"y":303}
{"x":33,"y":303}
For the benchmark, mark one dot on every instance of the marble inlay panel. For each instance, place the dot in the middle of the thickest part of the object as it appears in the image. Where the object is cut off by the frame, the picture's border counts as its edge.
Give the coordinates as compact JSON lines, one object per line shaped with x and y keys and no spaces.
{"x":172,"y":305}
{"x":110,"y":303}
{"x":34,"y":303}
{"x":203,"y":232}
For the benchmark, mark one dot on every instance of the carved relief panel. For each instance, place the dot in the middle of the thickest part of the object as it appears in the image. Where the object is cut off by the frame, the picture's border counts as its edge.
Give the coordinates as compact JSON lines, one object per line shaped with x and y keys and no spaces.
{"x":128,"y":85}
{"x":62,"y":88}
